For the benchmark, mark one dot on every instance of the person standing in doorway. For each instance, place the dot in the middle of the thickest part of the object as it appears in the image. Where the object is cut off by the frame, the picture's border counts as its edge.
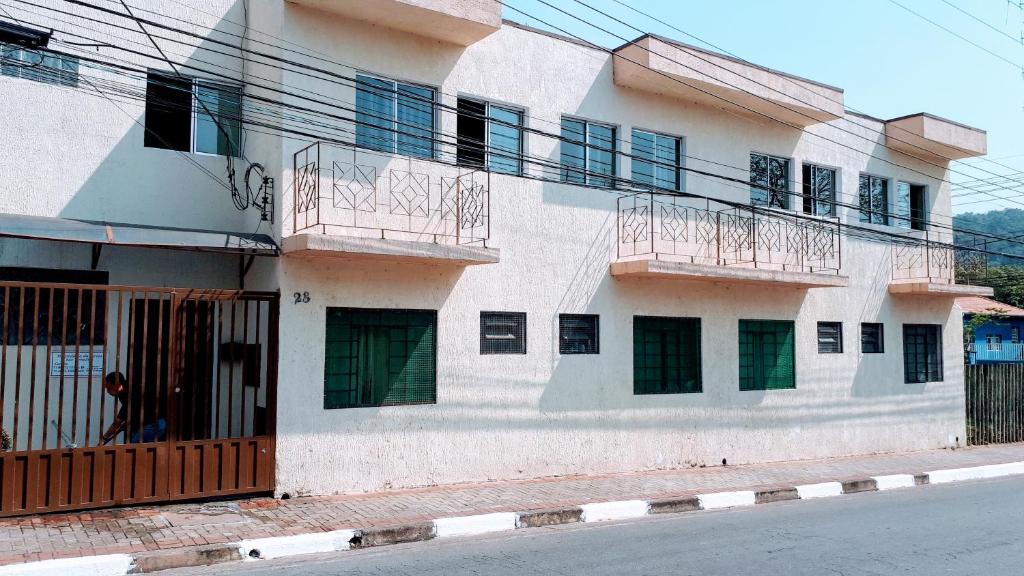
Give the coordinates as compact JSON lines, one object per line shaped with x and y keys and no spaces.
{"x":135,"y":411}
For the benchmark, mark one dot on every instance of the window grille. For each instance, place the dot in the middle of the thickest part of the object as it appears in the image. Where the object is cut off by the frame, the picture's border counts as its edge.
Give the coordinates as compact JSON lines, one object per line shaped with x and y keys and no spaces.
{"x":578,"y":334}
{"x":872,"y":338}
{"x":380,"y":357}
{"x":767,"y":355}
{"x":830,"y":337}
{"x":922,"y":353}
{"x":666,"y":355}
{"x":503,"y":332}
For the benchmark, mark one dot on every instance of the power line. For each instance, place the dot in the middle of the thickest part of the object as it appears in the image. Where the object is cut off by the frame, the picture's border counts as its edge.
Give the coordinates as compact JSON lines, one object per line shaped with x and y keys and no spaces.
{"x":971,"y":42}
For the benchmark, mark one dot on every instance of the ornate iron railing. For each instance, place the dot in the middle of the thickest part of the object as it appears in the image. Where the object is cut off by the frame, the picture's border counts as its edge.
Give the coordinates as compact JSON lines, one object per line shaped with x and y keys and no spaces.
{"x":678,"y":228}
{"x":935,"y":259}
{"x":347,"y":190}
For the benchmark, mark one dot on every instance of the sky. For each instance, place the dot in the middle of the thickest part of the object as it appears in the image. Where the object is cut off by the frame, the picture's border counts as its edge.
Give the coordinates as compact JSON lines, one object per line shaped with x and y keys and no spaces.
{"x":889,"y":61}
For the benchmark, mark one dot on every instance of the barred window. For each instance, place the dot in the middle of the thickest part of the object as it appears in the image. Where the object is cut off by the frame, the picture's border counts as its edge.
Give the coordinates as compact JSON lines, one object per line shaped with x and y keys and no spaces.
{"x":922,"y":353}
{"x":666,"y":355}
{"x":578,"y":334}
{"x":872,"y":338}
{"x":503,"y":332}
{"x":380,"y":357}
{"x":830,"y":337}
{"x":767,"y":355}
{"x":39,"y":65}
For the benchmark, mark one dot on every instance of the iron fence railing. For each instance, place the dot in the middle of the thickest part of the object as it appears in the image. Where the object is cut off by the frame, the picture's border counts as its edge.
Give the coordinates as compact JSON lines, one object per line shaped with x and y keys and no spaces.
{"x":699,"y":231}
{"x":935,"y":259}
{"x":348,"y":190}
{"x":994,"y":352}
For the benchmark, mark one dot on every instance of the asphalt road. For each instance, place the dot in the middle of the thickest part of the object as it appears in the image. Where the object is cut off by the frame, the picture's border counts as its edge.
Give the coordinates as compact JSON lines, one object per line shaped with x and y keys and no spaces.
{"x":974,"y":529}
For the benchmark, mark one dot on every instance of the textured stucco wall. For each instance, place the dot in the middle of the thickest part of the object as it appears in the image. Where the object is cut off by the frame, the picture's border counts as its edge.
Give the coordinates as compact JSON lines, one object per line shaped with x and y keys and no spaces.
{"x":542,"y":413}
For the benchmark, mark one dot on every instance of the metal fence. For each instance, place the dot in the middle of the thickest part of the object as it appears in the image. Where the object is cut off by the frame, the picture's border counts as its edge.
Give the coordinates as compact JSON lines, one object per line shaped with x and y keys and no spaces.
{"x":351,"y":191}
{"x":934,"y":259}
{"x":677,"y":228}
{"x":995,"y":403}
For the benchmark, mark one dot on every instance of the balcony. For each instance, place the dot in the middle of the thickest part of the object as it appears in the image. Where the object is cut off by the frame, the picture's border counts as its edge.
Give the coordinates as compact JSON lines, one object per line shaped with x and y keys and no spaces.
{"x":663,"y":236}
{"x":663,"y":66}
{"x":357,"y":204}
{"x":460,"y":22}
{"x":931,"y":137}
{"x":928,"y":268}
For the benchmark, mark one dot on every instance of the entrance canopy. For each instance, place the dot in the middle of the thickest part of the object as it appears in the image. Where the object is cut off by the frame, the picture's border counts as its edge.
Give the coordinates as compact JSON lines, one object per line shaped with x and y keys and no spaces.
{"x":110,"y":233}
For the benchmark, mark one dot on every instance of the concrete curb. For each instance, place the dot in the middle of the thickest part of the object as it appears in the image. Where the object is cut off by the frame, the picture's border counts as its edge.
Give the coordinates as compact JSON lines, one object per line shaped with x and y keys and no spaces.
{"x":339,"y":540}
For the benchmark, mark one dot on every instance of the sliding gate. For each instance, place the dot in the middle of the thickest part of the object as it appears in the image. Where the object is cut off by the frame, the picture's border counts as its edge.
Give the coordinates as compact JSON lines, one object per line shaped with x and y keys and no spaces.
{"x":194,"y":409}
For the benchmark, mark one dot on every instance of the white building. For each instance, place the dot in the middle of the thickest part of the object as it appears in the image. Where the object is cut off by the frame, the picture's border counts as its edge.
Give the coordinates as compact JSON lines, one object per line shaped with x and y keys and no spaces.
{"x":503,"y":253}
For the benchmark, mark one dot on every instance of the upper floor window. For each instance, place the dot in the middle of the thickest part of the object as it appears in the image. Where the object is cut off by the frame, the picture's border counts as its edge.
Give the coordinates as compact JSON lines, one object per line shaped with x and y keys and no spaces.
{"x":874,"y":199}
{"x":395,"y":117}
{"x":588,"y":152}
{"x":769,"y":181}
{"x":819,"y":190}
{"x":38,"y":65}
{"x":489,"y":135}
{"x":657,"y":160}
{"x":192,"y":115}
{"x":910,"y":209}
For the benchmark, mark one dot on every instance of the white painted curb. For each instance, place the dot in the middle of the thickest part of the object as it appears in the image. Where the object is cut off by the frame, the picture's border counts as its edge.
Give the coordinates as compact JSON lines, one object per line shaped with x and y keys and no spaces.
{"x":618,"y":510}
{"x":894,"y":481}
{"x":281,"y":546}
{"x":106,"y":565}
{"x":727,"y":499}
{"x":976,"y":473}
{"x":822,"y":490}
{"x":479,"y":524}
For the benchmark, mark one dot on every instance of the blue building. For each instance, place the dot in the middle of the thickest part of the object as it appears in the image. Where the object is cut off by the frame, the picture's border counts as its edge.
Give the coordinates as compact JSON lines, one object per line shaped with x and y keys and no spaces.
{"x":999,"y":339}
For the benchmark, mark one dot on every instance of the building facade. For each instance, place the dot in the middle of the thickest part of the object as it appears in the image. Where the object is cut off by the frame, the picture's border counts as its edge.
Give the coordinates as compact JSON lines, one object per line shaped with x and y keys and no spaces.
{"x":503,"y":253}
{"x":992,"y":331}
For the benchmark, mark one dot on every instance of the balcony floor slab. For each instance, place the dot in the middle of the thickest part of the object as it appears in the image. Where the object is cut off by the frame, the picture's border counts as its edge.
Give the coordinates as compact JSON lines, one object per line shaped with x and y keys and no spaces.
{"x":355,"y":247}
{"x":725,"y":274}
{"x":925,"y":288}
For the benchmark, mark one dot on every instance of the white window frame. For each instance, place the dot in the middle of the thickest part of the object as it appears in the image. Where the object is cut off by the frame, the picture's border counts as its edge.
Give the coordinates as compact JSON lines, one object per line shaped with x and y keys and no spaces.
{"x":790,"y":182}
{"x":616,"y":135}
{"x":488,"y":104}
{"x":434,"y":112}
{"x":836,"y":192}
{"x":910,"y":211}
{"x":197,"y":111}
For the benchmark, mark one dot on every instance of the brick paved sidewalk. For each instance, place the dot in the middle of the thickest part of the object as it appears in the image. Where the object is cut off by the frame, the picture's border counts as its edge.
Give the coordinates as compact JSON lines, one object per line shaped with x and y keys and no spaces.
{"x":141,"y":529}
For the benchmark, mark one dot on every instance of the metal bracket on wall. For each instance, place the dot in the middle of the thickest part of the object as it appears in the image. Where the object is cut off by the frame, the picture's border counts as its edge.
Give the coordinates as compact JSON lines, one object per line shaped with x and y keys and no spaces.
{"x":96,"y":250}
{"x":243,"y":268}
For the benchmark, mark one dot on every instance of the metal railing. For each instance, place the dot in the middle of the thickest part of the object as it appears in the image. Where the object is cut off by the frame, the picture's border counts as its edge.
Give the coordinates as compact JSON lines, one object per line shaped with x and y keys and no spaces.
{"x":994,"y":352}
{"x":351,"y":191}
{"x":698,"y":231}
{"x":934,"y":259}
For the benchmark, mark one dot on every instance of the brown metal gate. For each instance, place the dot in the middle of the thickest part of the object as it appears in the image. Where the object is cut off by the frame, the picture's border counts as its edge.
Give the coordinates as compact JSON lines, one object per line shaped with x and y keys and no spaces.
{"x":197,"y":373}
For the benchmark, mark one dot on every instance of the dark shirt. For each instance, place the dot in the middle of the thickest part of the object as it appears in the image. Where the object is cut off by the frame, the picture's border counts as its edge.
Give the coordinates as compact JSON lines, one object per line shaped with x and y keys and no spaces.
{"x":137,"y":409}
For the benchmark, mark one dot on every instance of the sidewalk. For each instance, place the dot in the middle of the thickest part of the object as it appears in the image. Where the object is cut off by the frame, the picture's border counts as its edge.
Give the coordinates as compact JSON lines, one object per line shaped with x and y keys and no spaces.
{"x":149,"y":529}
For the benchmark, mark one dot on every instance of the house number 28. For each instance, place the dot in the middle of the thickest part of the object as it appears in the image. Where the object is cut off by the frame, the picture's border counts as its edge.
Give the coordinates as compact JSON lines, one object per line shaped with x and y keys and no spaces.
{"x":301,"y":297}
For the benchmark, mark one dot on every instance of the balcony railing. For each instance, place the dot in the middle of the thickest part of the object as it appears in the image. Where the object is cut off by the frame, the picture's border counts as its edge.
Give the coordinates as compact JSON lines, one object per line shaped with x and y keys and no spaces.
{"x":995,"y":352}
{"x":938,"y":262}
{"x":680,"y":229}
{"x":349,"y":191}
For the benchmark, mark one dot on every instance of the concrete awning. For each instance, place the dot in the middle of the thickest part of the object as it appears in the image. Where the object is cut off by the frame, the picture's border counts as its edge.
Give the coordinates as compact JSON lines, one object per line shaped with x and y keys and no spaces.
{"x":461,"y":22}
{"x":649,"y":268}
{"x":363,"y":248}
{"x":936,"y":289}
{"x":135,"y":235}
{"x":663,"y":66}
{"x":926,"y":135}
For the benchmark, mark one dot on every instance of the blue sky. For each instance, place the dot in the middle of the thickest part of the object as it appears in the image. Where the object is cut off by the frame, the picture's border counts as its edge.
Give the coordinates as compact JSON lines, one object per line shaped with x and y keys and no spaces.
{"x":889,"y":62}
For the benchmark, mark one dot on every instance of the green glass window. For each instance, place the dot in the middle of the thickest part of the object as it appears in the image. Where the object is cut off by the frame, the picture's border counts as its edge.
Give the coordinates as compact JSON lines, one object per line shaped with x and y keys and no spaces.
{"x":767,"y":355}
{"x":922,"y":353}
{"x":380,"y":357}
{"x":666,"y":355}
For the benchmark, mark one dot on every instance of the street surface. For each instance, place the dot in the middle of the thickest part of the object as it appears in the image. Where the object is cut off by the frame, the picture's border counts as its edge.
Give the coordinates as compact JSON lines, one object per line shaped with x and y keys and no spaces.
{"x":974,"y":528}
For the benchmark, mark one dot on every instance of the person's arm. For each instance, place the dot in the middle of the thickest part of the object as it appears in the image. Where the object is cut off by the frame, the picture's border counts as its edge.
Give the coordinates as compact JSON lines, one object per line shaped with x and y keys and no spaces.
{"x":115,"y":427}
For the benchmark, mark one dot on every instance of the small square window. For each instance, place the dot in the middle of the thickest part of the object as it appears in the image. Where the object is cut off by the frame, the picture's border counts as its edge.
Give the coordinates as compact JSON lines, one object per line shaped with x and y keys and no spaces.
{"x":872,"y":338}
{"x":830,"y":337}
{"x":578,"y":334}
{"x":503,"y":332}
